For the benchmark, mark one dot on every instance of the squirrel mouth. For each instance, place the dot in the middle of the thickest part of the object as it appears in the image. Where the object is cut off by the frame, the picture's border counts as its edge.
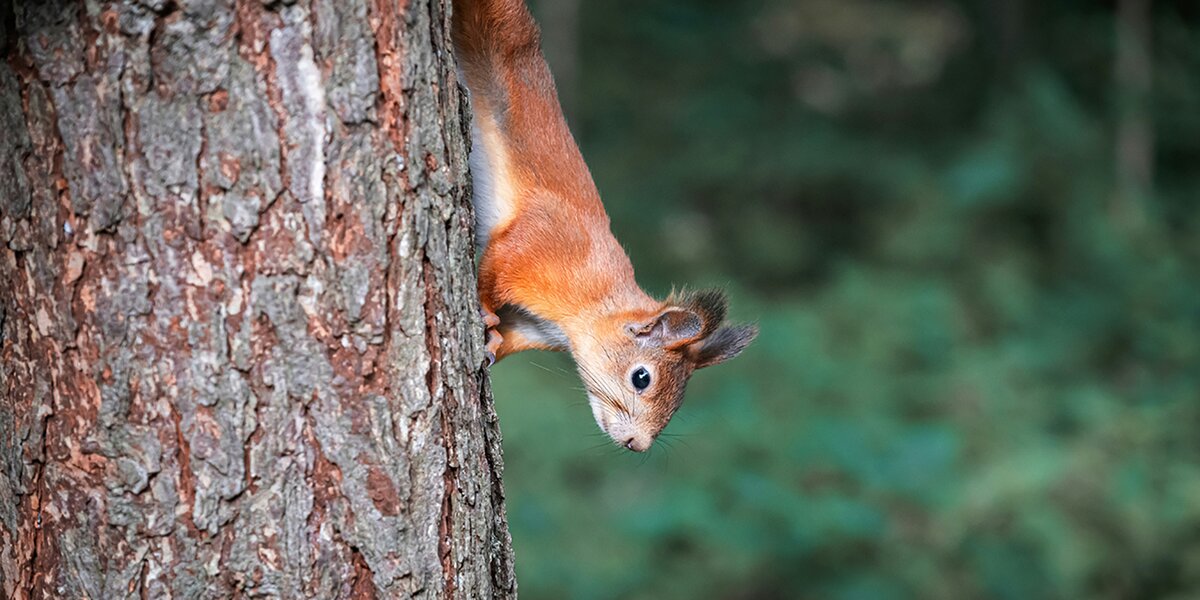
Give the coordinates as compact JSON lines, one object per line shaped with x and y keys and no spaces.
{"x":625,"y":436}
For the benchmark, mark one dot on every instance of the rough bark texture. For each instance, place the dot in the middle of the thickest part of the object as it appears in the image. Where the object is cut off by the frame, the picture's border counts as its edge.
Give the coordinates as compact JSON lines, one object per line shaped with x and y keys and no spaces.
{"x":240,"y":338}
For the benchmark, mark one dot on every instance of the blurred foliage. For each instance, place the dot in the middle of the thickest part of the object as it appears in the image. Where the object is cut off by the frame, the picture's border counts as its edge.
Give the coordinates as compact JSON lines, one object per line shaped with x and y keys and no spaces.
{"x":979,"y":368}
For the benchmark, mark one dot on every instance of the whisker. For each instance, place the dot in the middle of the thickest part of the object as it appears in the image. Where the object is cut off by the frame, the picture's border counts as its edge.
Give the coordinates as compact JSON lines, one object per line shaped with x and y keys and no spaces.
{"x":608,"y":449}
{"x":645,"y":456}
{"x":597,"y":446}
{"x":544,"y":368}
{"x":605,"y":392}
{"x":676,"y":438}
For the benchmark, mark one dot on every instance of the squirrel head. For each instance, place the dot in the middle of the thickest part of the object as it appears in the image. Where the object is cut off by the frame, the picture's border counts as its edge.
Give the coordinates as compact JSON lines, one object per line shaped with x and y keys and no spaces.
{"x":638,"y":365}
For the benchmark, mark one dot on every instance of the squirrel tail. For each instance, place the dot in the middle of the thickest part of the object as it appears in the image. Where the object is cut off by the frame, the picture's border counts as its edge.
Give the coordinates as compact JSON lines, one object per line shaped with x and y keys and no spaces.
{"x":498,"y":46}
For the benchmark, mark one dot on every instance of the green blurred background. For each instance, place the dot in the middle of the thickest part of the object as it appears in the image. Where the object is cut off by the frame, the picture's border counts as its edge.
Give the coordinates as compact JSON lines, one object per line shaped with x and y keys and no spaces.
{"x":969,"y":231}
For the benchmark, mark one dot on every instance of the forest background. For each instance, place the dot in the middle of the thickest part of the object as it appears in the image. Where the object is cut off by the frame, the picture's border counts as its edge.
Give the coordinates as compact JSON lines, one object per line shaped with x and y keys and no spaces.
{"x":969,"y":231}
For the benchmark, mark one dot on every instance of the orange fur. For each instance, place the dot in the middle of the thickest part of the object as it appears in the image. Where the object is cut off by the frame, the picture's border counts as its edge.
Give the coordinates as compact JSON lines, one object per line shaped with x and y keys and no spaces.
{"x":551,"y":264}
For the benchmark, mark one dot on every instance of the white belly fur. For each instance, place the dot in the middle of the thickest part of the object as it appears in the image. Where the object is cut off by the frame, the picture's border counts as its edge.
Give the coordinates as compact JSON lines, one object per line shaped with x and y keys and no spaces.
{"x":493,"y":189}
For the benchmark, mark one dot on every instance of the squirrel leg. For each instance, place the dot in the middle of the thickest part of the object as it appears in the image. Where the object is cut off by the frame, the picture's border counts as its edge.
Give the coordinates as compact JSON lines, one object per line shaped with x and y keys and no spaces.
{"x":504,"y":339}
{"x":514,"y":341}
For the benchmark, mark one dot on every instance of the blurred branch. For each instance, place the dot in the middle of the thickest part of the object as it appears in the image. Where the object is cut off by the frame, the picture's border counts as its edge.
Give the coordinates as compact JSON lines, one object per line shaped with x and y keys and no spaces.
{"x":1135,"y":133}
{"x":560,"y":43}
{"x":1008,"y":20}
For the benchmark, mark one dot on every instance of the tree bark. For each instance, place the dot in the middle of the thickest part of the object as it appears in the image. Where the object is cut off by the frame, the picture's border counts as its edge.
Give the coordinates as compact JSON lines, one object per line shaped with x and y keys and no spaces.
{"x":238,"y":320}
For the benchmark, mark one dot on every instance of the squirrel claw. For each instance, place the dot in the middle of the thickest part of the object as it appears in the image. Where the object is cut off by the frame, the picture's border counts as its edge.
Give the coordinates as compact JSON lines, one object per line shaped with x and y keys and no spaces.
{"x":493,"y":344}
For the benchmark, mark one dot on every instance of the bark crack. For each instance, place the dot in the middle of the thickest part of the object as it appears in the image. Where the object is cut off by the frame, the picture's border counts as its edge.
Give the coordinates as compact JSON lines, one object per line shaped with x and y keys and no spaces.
{"x":187,"y":484}
{"x":432,"y":307}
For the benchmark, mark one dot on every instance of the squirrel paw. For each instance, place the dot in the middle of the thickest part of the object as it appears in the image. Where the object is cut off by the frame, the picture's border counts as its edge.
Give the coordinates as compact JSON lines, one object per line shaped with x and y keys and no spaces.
{"x":490,"y":319}
{"x":493,"y":337}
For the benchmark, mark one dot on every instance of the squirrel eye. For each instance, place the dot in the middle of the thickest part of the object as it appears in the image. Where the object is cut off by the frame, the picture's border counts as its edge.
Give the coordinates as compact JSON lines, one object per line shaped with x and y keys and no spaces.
{"x":640,"y":378}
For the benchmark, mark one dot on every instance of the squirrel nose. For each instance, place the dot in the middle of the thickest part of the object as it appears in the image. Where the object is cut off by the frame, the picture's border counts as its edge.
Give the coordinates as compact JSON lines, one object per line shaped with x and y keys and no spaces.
{"x":637,"y":445}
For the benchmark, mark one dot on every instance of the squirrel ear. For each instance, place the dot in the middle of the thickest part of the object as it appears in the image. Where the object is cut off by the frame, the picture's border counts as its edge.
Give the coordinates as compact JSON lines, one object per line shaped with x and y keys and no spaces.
{"x":672,"y":328}
{"x":722,"y":345}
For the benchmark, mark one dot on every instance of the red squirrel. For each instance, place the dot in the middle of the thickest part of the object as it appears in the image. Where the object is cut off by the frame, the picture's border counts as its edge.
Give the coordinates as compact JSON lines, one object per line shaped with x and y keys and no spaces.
{"x":552,"y":276}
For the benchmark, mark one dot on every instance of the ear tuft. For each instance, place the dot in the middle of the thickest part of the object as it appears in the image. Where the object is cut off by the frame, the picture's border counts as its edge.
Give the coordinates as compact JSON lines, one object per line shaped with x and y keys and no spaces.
{"x":724,"y":344}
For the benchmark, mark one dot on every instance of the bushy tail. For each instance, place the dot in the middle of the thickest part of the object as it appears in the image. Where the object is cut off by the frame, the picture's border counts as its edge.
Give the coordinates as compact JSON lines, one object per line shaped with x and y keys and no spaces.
{"x":497,"y":44}
{"x":498,"y":47}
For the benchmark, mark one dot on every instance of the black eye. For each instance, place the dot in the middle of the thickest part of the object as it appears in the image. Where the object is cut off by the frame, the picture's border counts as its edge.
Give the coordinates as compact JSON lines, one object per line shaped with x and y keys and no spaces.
{"x":640,"y":378}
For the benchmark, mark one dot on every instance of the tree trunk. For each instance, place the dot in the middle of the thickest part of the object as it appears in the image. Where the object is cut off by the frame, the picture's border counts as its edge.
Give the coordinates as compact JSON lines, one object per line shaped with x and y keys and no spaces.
{"x":238,"y":321}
